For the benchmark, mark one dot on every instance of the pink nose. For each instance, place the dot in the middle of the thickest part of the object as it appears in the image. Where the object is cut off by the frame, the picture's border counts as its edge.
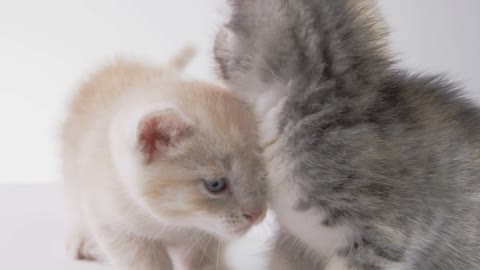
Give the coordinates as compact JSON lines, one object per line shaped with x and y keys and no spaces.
{"x":253,"y":216}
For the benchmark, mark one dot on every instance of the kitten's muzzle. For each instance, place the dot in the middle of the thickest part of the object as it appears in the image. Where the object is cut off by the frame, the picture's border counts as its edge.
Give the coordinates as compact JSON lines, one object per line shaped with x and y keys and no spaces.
{"x":254,"y":216}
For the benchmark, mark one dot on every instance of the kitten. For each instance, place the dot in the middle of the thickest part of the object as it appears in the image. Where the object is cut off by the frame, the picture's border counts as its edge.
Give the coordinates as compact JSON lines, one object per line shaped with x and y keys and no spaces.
{"x":159,"y":170}
{"x":369,"y":167}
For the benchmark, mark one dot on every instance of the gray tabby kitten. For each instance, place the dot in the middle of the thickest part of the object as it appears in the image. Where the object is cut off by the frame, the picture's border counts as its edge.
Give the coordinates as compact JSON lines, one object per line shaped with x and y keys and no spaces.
{"x":370,"y":167}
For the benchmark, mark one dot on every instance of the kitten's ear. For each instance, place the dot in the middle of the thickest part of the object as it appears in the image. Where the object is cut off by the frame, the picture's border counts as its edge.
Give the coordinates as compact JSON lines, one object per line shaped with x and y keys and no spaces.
{"x":236,"y":31}
{"x":243,"y":13}
{"x":159,"y":131}
{"x":241,"y":3}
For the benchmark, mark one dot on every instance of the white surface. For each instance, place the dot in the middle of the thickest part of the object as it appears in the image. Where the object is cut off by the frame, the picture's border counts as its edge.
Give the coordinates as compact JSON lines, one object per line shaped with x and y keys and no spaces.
{"x":48,"y":46}
{"x":33,"y":230}
{"x":438,"y":36}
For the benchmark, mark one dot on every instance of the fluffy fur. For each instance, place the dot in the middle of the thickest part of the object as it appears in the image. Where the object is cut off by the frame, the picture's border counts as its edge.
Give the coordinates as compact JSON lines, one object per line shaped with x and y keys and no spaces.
{"x":369,"y":167}
{"x":139,"y":144}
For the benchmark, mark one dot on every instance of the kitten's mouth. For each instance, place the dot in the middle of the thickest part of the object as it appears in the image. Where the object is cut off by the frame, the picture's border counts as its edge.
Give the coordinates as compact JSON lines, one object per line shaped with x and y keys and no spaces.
{"x":235,"y":233}
{"x":238,"y":232}
{"x":241,"y":231}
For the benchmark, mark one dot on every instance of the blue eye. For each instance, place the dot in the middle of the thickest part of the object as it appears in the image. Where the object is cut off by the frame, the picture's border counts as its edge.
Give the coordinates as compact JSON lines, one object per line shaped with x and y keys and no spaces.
{"x":216,"y":185}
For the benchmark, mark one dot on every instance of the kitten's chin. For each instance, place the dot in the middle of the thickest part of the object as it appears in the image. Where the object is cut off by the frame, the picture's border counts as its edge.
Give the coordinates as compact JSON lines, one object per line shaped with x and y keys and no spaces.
{"x":241,"y":231}
{"x":233,"y":234}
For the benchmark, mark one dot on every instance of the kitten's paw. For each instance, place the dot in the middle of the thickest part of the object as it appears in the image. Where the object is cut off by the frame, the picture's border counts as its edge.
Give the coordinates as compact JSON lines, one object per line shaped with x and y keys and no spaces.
{"x":81,"y":246}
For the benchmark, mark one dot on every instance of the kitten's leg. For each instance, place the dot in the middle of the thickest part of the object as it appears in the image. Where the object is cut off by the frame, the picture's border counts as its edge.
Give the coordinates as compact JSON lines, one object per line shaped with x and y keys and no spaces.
{"x":128,"y":252}
{"x":216,"y":252}
{"x":82,"y":246}
{"x":204,"y":254}
{"x":281,"y":258}
{"x":290,"y":254}
{"x":184,"y":258}
{"x":280,"y":262}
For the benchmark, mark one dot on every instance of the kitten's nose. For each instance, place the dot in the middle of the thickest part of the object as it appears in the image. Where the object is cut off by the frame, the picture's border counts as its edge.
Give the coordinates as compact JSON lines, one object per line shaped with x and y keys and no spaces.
{"x":253,"y":215}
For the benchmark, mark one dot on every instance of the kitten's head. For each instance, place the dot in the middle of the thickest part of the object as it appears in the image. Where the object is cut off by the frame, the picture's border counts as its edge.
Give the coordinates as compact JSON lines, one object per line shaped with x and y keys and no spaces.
{"x":253,"y":41}
{"x":196,"y":163}
{"x":273,"y":41}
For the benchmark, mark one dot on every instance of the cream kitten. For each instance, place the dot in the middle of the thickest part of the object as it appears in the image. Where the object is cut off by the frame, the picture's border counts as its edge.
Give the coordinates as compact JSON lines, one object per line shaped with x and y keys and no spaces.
{"x":158,"y":169}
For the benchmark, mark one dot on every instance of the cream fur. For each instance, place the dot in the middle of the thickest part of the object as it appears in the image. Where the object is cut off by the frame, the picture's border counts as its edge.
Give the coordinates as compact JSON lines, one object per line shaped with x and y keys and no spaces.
{"x":157,"y":216}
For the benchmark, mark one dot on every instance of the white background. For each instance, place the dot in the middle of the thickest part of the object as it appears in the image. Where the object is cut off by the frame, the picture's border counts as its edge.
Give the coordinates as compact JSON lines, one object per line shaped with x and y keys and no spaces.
{"x":47,"y":47}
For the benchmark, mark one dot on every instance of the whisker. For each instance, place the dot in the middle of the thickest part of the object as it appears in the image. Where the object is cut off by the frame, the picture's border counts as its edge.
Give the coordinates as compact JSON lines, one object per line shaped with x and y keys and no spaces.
{"x":269,"y":68}
{"x":194,"y":244}
{"x":218,"y":253}
{"x":204,"y":251}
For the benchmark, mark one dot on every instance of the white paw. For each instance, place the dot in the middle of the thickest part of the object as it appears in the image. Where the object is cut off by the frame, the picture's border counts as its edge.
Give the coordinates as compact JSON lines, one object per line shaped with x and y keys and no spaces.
{"x":81,"y":246}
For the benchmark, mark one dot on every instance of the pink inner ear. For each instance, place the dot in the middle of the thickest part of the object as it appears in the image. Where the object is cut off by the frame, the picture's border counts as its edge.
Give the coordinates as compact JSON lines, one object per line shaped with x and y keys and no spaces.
{"x":160,"y":131}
